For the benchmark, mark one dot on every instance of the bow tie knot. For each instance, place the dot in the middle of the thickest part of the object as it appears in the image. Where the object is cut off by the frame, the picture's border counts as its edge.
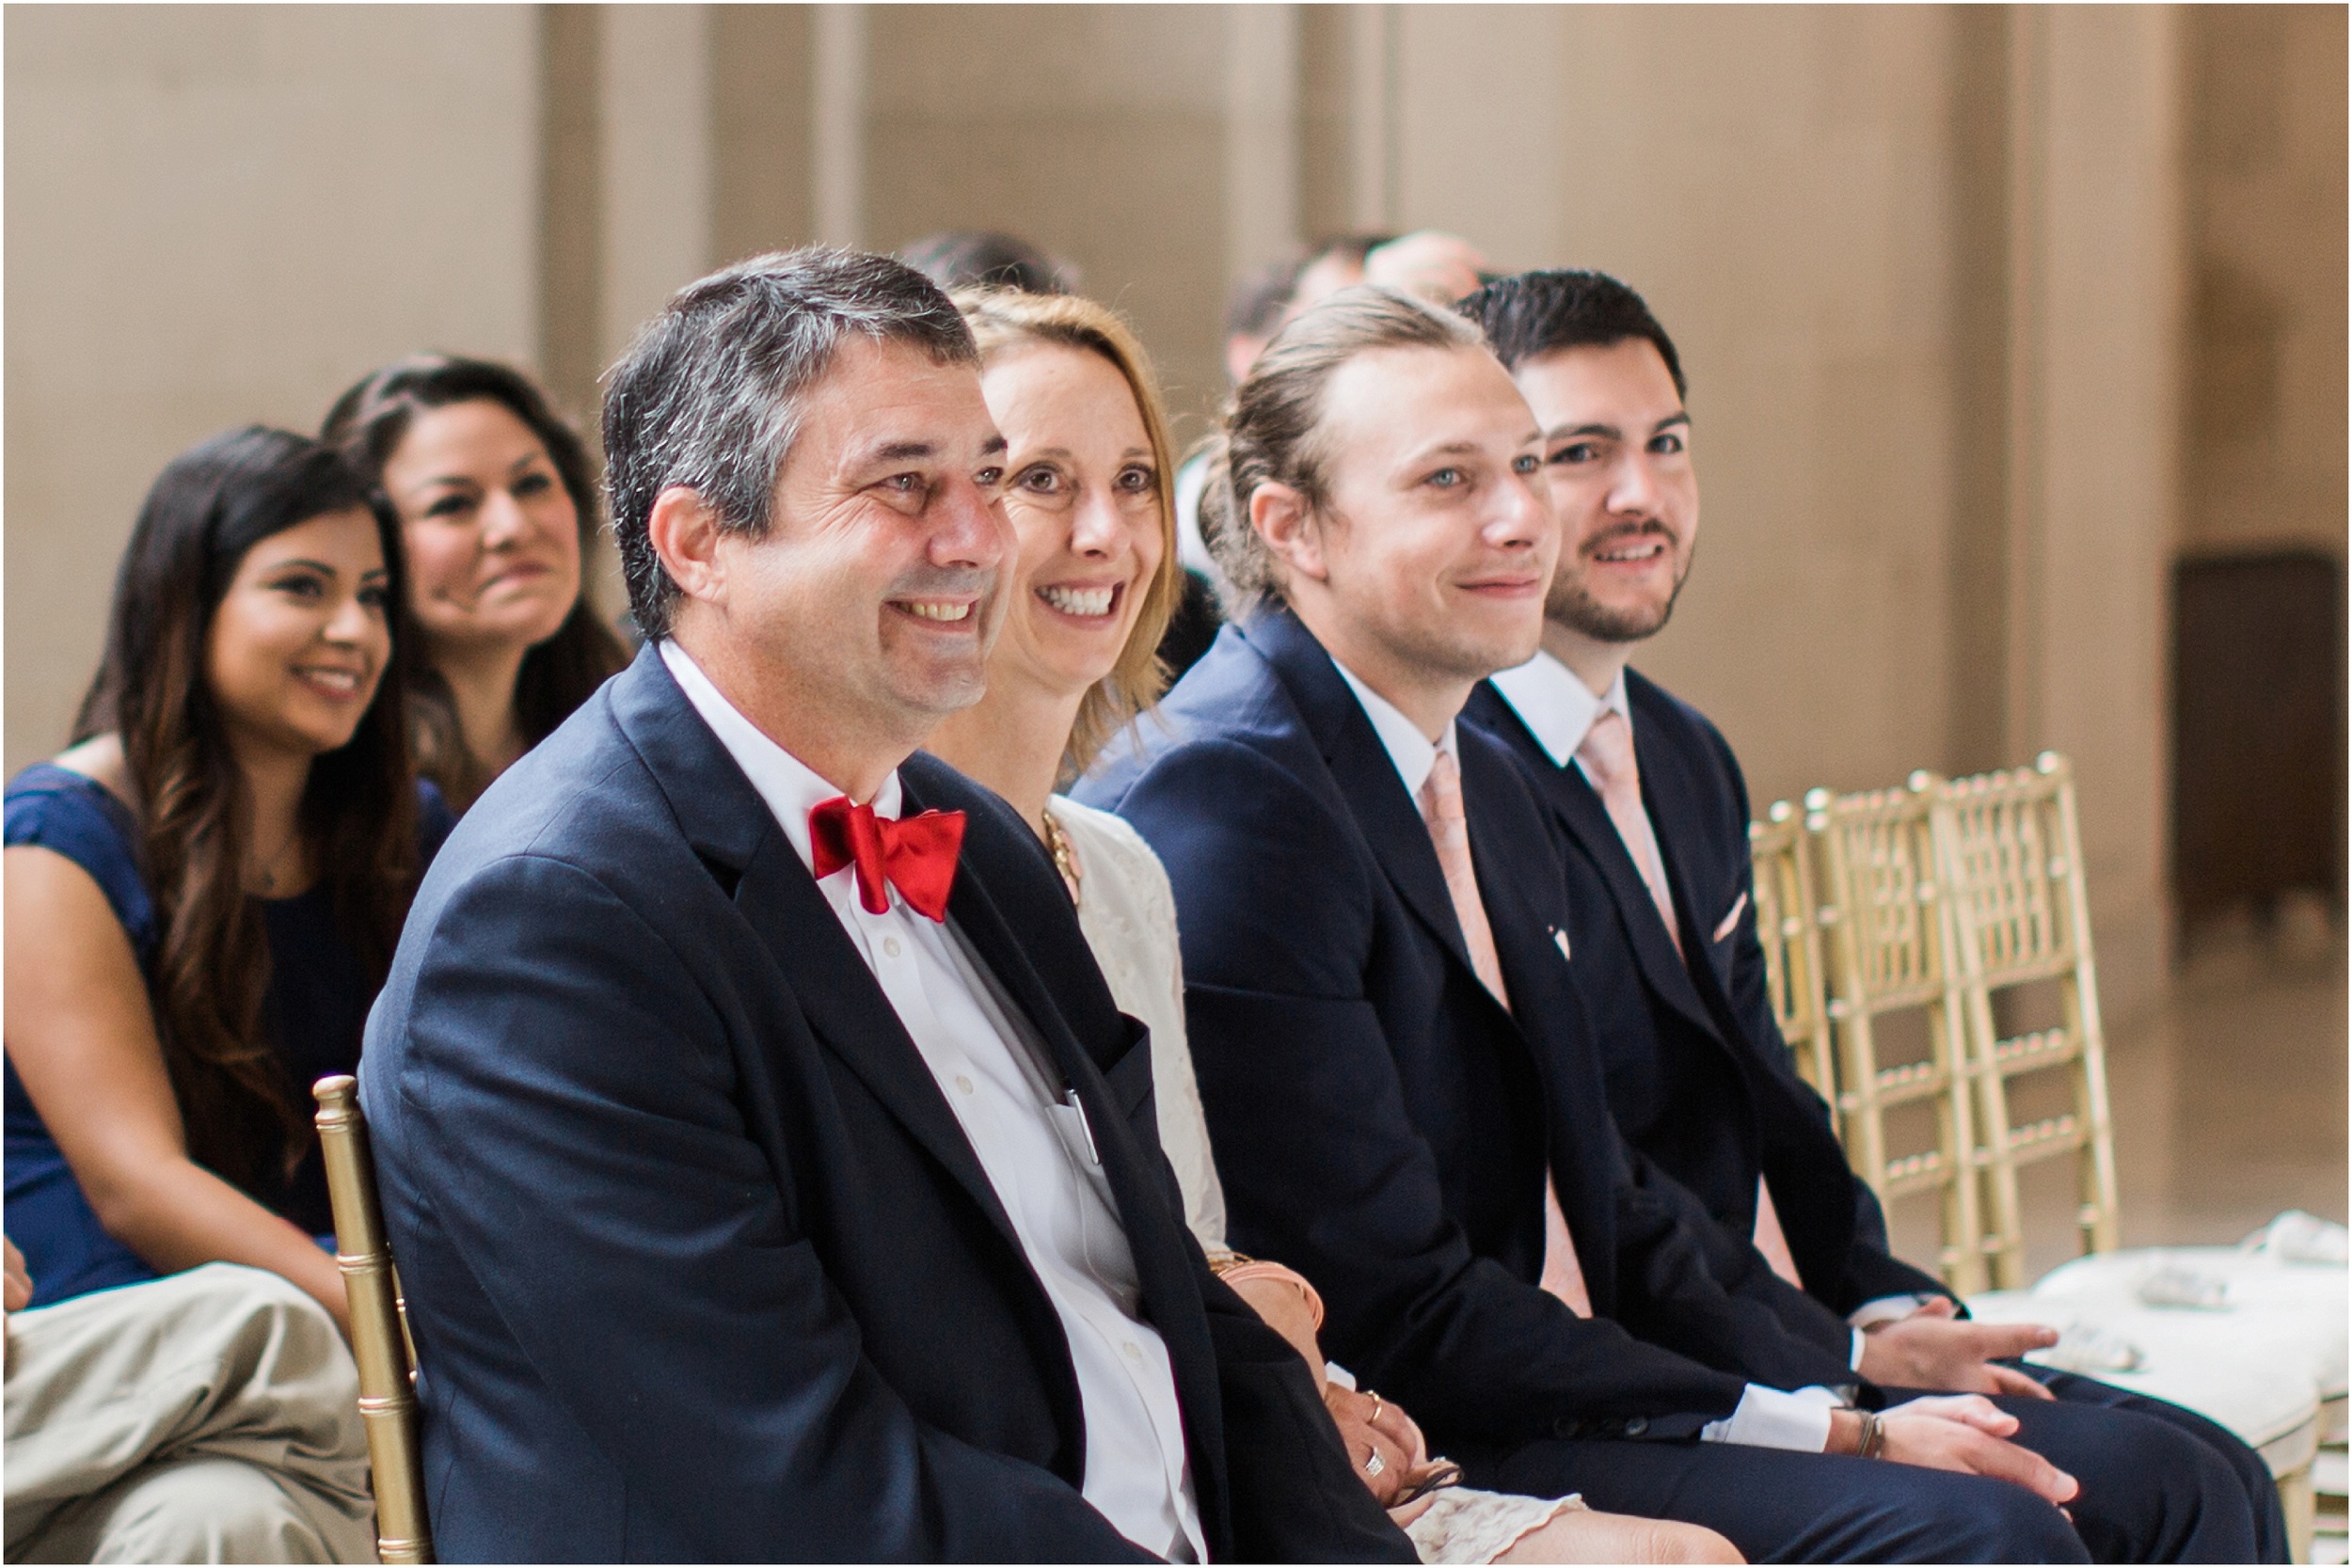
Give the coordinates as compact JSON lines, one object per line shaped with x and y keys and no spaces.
{"x":914,"y":854}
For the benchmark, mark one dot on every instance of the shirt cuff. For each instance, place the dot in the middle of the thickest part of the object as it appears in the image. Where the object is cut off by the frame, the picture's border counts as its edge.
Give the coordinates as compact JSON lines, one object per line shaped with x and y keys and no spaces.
{"x":1853,"y":1362}
{"x":1886,"y":1309}
{"x":1771,"y":1418}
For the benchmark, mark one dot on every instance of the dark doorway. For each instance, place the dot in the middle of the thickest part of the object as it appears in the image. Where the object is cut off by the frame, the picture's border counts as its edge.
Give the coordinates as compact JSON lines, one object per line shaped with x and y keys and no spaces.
{"x":2258,"y":739}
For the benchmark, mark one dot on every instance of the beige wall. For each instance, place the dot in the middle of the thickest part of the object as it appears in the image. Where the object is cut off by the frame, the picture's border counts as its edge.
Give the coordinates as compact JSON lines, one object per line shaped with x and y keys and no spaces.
{"x":221,"y":214}
{"x":2265,"y":191}
{"x":1097,"y":132}
{"x":1986,"y":311}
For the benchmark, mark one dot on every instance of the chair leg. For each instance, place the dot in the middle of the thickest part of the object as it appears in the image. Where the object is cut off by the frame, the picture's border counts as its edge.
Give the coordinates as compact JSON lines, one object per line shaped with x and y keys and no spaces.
{"x":2295,"y":1495}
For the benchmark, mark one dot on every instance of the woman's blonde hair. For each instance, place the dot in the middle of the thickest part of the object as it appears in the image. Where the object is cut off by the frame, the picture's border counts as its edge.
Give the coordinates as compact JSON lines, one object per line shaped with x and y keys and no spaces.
{"x":1002,"y":319}
{"x":1272,"y":429}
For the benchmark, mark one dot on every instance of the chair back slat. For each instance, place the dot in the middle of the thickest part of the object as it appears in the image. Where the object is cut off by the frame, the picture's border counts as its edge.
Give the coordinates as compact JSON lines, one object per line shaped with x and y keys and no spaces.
{"x":1889,"y":949}
{"x":379,"y":1329}
{"x":2014,"y":859}
{"x":1788,"y":924}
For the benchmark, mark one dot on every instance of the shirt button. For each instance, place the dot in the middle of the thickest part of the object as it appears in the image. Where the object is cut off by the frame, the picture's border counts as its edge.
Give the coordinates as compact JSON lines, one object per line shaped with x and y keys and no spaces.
{"x":889,"y":946}
{"x":962,"y":1083}
{"x":1132,"y":1351}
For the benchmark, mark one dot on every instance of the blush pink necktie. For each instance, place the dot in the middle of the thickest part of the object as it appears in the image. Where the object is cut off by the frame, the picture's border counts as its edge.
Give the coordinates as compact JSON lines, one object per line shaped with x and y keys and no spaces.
{"x":1449,"y":832}
{"x":1608,"y":758}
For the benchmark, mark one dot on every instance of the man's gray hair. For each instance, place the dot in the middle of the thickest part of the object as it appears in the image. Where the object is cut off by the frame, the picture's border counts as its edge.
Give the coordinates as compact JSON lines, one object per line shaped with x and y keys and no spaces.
{"x":710,"y":395}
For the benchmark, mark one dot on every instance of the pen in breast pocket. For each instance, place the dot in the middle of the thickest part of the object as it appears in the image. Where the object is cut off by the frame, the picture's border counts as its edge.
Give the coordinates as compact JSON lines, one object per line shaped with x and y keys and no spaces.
{"x":1086,"y":1128}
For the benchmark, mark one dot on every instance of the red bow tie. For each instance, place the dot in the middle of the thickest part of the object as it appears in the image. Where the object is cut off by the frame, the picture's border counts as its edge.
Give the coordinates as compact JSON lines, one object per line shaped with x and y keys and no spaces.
{"x":914,"y":854}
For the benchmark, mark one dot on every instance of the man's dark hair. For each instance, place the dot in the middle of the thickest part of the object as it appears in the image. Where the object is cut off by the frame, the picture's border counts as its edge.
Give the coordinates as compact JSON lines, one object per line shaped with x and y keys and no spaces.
{"x":1537,"y":314}
{"x":709,"y":395}
{"x":974,"y":258}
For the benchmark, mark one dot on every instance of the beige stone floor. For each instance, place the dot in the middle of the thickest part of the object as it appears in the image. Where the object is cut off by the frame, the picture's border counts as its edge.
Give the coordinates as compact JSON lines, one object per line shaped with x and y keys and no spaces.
{"x":2228,"y":1102}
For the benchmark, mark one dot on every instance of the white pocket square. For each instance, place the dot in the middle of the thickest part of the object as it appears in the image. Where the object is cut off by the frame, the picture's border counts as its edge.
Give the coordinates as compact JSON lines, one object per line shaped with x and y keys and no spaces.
{"x":1560,"y":940}
{"x":1731,"y":920}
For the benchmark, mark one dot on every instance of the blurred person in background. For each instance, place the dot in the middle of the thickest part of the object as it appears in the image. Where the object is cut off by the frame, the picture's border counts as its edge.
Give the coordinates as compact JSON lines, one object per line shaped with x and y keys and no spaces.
{"x":984,"y":259}
{"x":1091,"y":580}
{"x":496,"y":503}
{"x":204,"y":891}
{"x":212,"y":1416}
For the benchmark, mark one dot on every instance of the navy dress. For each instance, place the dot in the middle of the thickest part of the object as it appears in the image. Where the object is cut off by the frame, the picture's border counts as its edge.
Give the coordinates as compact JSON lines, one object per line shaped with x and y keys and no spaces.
{"x":312,"y":1013}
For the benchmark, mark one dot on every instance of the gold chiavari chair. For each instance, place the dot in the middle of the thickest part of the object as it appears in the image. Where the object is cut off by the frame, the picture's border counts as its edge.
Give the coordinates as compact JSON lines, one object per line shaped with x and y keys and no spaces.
{"x":1788,"y":923}
{"x":1890,"y":948}
{"x":2012,"y":862}
{"x":379,"y":1324}
{"x":2012,"y":865}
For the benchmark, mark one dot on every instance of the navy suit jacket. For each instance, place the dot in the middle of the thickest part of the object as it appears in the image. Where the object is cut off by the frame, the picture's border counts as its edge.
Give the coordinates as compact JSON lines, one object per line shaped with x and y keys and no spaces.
{"x":699,"y":1262}
{"x":1699,"y":1077}
{"x":1382,"y":1124}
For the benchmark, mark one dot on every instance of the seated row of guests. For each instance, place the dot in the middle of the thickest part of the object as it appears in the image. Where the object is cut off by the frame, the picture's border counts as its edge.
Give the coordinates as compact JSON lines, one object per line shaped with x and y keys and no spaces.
{"x":204,"y":891}
{"x":1091,"y":582}
{"x":791,"y":1138}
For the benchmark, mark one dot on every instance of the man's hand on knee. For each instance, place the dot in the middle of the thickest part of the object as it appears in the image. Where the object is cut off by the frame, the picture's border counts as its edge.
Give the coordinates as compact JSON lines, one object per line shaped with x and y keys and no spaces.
{"x":1931,"y":1349}
{"x":1969,"y":1434}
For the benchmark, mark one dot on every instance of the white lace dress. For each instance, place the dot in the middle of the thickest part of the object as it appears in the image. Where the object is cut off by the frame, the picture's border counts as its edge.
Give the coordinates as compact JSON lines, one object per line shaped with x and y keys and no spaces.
{"x":1128,"y":914}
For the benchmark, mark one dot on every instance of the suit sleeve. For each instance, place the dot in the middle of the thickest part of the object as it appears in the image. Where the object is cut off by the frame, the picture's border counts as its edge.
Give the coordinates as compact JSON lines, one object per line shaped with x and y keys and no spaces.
{"x":1787,"y":1340}
{"x":1872,"y":1268}
{"x":1296,"y":1496}
{"x":1324,"y":1168}
{"x":569,"y":1086}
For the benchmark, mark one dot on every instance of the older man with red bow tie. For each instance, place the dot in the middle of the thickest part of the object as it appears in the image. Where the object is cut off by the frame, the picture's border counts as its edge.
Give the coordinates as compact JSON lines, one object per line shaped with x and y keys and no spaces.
{"x":770,"y":1173}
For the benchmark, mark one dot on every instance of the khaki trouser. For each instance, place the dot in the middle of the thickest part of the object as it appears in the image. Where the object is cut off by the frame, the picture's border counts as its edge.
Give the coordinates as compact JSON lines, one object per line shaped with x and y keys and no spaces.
{"x":211,"y":1416}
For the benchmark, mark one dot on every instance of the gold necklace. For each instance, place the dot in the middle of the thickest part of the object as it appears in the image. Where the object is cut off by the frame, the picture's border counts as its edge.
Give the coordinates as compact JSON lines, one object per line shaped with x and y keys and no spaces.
{"x":269,"y":866}
{"x":1065,"y":858}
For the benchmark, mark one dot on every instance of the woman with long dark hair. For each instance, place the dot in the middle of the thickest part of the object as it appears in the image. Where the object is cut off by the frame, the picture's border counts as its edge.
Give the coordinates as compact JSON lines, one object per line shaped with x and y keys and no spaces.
{"x":204,"y":891}
{"x":495,"y":498}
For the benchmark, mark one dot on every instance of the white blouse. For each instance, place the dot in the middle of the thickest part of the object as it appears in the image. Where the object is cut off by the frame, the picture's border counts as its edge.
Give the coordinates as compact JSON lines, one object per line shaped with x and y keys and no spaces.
{"x":1128,"y":914}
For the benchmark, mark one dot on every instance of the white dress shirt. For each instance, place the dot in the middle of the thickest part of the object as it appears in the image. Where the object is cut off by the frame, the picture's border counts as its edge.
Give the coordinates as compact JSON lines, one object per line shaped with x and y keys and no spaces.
{"x":1032,"y":1143}
{"x":1559,"y":710}
{"x":1765,"y":1417}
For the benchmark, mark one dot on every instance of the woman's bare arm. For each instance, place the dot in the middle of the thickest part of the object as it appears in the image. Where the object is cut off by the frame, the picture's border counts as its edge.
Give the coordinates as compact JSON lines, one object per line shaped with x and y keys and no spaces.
{"x":82,"y":1036}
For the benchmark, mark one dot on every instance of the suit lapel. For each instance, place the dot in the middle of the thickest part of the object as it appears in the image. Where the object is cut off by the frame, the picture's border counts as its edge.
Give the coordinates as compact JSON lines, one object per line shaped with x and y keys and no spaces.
{"x":1077,"y":996}
{"x":1666,"y":786}
{"x":1578,"y":806}
{"x":1366,"y":775}
{"x":1541,"y":991}
{"x":844,"y":1004}
{"x":731,"y":828}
